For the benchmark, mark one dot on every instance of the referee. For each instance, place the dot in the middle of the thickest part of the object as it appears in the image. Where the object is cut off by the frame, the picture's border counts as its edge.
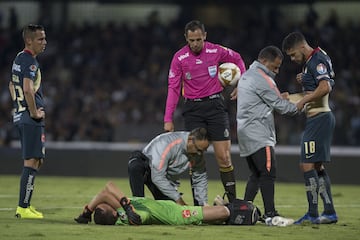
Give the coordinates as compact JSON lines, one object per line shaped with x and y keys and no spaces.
{"x":193,"y":73}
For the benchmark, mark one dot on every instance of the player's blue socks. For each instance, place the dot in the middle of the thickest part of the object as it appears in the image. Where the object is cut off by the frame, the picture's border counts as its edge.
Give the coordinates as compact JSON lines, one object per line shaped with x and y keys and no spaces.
{"x":312,"y":190}
{"x":325,"y":192}
{"x":26,"y":186}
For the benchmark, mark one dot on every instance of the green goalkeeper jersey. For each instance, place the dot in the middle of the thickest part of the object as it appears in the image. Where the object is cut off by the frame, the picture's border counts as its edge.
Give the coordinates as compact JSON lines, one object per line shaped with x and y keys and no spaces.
{"x":164,"y":212}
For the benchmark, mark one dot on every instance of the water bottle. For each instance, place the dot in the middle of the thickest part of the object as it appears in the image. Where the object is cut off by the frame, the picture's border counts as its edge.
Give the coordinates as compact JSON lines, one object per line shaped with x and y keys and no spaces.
{"x":268,"y":221}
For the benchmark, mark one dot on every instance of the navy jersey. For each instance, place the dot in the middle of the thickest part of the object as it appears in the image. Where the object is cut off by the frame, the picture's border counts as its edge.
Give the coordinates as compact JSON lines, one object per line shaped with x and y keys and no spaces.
{"x":317,"y":67}
{"x":26,"y":66}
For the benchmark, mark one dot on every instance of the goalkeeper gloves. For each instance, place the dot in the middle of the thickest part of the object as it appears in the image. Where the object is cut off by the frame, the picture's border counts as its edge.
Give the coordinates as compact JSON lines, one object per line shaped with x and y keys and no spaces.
{"x":133,"y":218}
{"x":85,"y":216}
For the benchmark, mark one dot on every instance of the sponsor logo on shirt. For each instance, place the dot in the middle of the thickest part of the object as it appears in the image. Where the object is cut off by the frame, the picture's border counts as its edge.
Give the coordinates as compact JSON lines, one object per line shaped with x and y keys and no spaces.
{"x":198,"y":61}
{"x":16,"y":67}
{"x":214,"y":50}
{"x":171,"y":74}
{"x":182,"y":57}
{"x":186,"y":213}
{"x":17,"y":117}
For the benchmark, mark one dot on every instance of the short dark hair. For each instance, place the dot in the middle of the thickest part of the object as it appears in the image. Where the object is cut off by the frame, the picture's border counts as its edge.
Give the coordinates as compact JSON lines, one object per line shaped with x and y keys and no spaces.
{"x":103,"y":217}
{"x":270,"y":53}
{"x":193,"y":25}
{"x":30,"y":29}
{"x":200,"y":134}
{"x":291,"y":40}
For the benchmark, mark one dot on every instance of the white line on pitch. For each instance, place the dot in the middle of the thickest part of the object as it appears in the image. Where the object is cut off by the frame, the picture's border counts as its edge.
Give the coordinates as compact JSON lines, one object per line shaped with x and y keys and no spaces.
{"x":80,"y":207}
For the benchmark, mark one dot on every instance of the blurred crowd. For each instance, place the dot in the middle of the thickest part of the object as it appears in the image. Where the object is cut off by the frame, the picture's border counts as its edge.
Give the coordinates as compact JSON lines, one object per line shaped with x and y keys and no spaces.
{"x":104,"y":81}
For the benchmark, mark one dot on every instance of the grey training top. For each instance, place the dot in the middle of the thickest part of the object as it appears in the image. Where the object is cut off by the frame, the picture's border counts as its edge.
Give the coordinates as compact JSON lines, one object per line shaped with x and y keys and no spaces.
{"x":257,"y":97}
{"x":169,"y":160}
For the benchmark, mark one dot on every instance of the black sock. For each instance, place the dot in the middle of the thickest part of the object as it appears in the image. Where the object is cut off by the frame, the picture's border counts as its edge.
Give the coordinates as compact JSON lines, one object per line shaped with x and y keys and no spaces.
{"x":228,"y":181}
{"x":312,"y":190}
{"x":325,"y":192}
{"x":26,"y":186}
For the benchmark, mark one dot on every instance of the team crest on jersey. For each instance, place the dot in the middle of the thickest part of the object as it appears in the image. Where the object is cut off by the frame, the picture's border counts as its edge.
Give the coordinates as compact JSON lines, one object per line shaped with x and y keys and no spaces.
{"x":321,"y":68}
{"x":212,"y":71}
{"x":226,"y":133}
{"x":33,"y":68}
{"x":188,"y":76}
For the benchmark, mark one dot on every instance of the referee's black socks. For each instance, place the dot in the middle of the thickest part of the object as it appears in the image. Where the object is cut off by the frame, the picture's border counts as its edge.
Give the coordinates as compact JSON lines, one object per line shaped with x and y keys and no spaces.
{"x":228,"y":180}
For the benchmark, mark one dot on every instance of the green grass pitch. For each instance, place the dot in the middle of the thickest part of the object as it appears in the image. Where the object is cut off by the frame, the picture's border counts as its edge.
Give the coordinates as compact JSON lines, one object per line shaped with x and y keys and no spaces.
{"x":62,"y":198}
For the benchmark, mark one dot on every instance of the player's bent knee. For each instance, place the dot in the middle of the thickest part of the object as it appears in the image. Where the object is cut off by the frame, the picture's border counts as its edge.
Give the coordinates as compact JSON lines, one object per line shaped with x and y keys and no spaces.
{"x":135,"y":166}
{"x":223,"y":160}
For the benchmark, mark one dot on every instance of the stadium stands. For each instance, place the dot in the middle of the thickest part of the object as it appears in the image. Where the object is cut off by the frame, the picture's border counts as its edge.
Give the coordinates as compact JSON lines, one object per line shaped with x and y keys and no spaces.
{"x":108,"y":82}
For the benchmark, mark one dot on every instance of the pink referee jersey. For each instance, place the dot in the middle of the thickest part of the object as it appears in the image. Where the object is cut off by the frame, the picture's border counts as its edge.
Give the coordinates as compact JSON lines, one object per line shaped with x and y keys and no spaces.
{"x":196,"y":75}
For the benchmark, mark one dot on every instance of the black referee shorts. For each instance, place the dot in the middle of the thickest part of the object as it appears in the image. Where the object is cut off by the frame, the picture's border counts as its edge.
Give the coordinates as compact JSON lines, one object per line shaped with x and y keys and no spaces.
{"x":210,"y":113}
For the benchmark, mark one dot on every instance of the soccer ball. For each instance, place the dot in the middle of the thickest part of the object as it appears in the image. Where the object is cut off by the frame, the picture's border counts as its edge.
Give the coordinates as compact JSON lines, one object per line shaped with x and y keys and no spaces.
{"x":229,"y":74}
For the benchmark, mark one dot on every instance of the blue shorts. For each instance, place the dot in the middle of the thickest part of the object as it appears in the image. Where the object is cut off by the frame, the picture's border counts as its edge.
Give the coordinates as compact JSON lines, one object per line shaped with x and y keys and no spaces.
{"x":317,"y":138}
{"x":32,"y":139}
{"x":211,"y":114}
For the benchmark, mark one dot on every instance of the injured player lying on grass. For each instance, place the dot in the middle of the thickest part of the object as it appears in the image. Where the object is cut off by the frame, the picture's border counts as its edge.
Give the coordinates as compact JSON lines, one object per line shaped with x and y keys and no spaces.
{"x":111,"y":207}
